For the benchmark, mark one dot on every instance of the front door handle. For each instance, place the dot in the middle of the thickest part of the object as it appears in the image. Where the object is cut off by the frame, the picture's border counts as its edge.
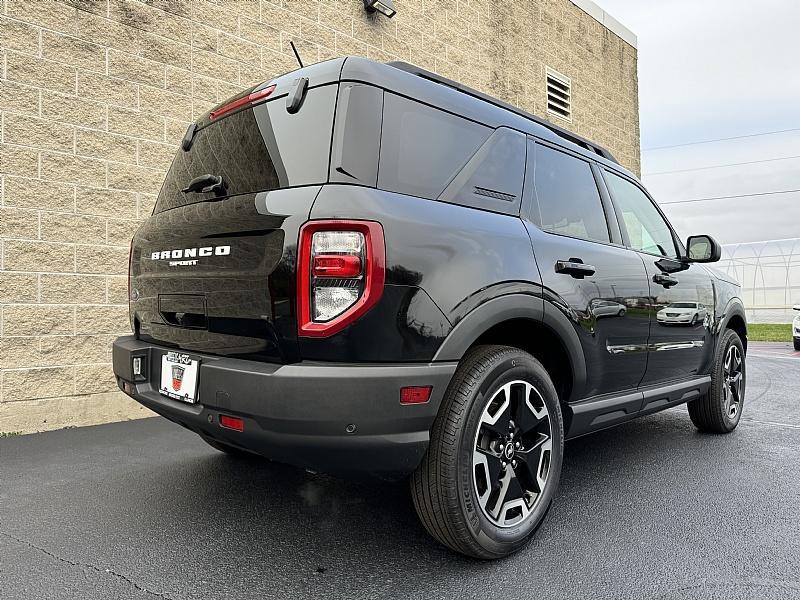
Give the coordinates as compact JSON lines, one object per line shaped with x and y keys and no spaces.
{"x":666,"y":280}
{"x":575,"y":267}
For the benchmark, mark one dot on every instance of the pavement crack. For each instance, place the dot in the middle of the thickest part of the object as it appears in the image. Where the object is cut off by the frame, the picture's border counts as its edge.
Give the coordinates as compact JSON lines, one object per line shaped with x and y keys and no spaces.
{"x":86,"y":566}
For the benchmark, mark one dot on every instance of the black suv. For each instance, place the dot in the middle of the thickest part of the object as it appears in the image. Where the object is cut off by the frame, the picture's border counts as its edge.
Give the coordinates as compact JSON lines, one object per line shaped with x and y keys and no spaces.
{"x":365,"y":268}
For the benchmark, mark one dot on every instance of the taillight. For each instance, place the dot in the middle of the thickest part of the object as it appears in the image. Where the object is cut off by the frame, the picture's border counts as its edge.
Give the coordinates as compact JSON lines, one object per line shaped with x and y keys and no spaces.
{"x":243,"y":101}
{"x":340,"y":274}
{"x":130,"y":265}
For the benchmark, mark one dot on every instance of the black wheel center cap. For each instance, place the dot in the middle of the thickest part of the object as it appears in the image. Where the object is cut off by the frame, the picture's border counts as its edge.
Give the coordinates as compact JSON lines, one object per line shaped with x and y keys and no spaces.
{"x":508,"y":451}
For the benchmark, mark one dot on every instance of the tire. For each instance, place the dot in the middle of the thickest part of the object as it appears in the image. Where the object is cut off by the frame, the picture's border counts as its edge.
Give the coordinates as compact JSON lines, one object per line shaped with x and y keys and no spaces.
{"x":229,"y":450}
{"x":797,"y":344}
{"x":720,"y":409}
{"x":491,"y":383}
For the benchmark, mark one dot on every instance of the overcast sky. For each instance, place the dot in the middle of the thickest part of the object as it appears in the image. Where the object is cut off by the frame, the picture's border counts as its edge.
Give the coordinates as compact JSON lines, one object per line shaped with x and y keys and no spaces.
{"x":711,"y":69}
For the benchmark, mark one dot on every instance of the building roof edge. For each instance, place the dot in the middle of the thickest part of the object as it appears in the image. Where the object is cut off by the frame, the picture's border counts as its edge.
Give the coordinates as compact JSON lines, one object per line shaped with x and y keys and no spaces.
{"x":607,"y":21}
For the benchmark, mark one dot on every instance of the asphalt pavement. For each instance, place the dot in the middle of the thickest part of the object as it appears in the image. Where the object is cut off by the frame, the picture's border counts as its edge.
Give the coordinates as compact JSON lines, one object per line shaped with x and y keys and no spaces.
{"x":651,"y":509}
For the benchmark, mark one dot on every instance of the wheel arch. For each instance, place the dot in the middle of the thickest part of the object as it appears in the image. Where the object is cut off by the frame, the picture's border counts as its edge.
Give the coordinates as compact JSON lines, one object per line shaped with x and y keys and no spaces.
{"x":734,"y":317}
{"x":521,"y":321}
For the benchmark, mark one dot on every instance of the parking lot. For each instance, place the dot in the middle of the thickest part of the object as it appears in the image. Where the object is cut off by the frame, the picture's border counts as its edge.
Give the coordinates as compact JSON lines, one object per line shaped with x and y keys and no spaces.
{"x":651,"y":509}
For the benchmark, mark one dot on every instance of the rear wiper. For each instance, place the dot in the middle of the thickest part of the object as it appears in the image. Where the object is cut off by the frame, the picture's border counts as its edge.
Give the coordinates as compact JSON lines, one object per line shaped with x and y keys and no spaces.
{"x":207,"y":183}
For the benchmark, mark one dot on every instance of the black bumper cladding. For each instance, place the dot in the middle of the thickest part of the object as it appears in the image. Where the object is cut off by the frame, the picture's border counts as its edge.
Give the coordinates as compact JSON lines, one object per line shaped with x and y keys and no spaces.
{"x":344,"y":419}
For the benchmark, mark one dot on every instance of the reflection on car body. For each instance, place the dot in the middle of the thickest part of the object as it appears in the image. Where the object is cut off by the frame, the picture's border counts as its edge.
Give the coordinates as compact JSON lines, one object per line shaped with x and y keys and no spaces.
{"x":606,"y":308}
{"x":682,"y":313}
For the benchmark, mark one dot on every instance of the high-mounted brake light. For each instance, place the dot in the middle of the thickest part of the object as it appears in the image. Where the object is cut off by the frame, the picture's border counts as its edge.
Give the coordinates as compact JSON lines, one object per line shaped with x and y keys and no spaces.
{"x":243,"y":101}
{"x":340,"y":274}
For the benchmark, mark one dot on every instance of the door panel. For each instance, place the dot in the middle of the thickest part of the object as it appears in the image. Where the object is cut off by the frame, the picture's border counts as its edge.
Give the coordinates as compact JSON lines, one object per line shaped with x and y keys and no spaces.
{"x":608,"y":309}
{"x":682,"y":314}
{"x":600,"y":286}
{"x":682,"y":295}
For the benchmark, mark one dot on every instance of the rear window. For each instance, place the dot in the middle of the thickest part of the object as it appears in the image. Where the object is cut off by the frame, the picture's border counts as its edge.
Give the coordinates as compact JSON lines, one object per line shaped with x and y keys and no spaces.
{"x":422,"y":148}
{"x":258,"y":149}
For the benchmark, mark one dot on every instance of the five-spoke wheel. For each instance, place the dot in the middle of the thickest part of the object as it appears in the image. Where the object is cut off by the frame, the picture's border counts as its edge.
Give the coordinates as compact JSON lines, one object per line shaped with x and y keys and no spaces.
{"x":732,"y":372}
{"x":719,"y":410}
{"x":511,"y":459}
{"x":494,"y":458}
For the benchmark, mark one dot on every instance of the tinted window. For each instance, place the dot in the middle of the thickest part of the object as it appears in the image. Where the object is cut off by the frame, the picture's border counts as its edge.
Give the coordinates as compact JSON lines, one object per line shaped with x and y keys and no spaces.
{"x":493,"y":177}
{"x":569,"y":201}
{"x":647,"y":229}
{"x":257,"y":149}
{"x":423,"y":148}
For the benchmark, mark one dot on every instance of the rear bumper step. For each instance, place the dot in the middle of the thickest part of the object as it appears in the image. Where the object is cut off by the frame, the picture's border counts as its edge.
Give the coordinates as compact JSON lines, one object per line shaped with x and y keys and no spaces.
{"x":340,"y":418}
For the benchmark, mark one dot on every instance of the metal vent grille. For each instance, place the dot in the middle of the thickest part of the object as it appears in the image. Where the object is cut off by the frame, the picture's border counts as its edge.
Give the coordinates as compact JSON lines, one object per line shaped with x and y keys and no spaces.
{"x":559,"y":95}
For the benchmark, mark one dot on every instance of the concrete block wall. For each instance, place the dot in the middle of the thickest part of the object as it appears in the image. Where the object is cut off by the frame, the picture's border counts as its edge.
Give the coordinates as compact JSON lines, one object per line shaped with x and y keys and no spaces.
{"x":96,"y":94}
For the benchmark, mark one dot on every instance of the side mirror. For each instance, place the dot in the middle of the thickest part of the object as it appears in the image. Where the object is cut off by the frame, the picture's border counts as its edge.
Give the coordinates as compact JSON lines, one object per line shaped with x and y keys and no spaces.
{"x":703,"y":249}
{"x":796,"y":307}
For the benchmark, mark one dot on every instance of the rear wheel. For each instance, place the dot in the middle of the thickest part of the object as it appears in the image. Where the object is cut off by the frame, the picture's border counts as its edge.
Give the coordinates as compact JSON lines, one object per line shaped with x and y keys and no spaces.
{"x":720,"y":409}
{"x":494,"y":460}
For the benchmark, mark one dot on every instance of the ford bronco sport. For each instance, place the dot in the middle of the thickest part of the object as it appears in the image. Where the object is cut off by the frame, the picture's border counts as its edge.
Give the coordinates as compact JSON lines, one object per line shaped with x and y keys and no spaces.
{"x":366,"y":268}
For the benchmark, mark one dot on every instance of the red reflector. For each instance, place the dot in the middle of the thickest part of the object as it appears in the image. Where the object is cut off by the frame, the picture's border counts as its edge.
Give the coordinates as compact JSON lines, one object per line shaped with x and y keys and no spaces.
{"x":243,"y":101}
{"x":415,"y":395}
{"x":234,"y":423}
{"x":336,"y":265}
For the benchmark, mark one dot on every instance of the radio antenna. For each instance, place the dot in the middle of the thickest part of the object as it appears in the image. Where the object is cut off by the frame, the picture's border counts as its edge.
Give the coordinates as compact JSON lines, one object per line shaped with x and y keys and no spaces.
{"x":296,"y":55}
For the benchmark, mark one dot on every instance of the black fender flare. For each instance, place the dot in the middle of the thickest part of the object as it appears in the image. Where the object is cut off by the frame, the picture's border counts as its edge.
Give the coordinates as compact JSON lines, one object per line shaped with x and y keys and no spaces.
{"x":734,"y":308}
{"x":516,"y":306}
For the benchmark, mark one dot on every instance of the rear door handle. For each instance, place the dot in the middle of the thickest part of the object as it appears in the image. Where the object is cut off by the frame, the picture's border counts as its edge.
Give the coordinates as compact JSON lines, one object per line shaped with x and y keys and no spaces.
{"x":575,"y":267}
{"x":666,"y":280}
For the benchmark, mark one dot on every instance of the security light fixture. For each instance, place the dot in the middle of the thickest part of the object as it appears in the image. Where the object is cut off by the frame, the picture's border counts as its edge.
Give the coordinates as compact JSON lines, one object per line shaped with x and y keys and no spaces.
{"x":385,"y":7}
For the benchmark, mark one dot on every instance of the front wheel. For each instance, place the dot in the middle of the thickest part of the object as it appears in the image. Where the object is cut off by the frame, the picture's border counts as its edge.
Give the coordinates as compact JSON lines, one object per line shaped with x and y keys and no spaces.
{"x":494,"y":460}
{"x":720,"y":409}
{"x":797,"y":344}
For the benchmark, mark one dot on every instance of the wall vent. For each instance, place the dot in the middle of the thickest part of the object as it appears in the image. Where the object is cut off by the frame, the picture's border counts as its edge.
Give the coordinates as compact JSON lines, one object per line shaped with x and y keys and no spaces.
{"x":559,"y":95}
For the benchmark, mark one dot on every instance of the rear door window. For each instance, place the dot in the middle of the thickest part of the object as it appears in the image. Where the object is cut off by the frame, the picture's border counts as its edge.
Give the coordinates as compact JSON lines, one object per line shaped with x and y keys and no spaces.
{"x":569,"y":201}
{"x":423,"y":148}
{"x":257,"y":149}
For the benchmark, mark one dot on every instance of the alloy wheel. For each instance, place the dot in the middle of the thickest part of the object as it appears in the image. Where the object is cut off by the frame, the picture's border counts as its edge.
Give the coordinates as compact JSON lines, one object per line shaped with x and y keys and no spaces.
{"x":734,"y":379}
{"x":512,"y":453}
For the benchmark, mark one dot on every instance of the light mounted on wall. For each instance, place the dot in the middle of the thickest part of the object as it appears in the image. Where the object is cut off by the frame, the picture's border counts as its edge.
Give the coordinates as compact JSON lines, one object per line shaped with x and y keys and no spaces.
{"x":385,"y":7}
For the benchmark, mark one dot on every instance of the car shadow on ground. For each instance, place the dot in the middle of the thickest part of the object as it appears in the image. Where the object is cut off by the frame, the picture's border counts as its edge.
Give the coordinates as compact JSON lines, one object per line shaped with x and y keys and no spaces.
{"x":214,"y":510}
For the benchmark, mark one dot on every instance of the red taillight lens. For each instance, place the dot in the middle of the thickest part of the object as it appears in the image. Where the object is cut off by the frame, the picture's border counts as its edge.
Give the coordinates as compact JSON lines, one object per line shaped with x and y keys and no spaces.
{"x":130,"y":265}
{"x":340,"y":274}
{"x":234,"y":423}
{"x":243,"y":101}
{"x":335,"y":265}
{"x":415,"y":394}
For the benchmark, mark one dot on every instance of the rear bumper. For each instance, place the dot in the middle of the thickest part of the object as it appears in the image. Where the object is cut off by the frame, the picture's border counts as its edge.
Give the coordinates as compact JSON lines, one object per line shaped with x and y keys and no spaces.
{"x":300,"y":413}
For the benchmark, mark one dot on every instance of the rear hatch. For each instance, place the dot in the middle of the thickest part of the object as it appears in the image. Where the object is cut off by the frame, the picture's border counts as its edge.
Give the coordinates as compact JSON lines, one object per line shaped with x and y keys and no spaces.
{"x":212,"y":270}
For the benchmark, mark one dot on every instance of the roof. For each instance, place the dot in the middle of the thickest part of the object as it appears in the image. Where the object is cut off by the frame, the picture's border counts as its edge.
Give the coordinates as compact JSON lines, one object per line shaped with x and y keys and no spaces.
{"x":607,"y":21}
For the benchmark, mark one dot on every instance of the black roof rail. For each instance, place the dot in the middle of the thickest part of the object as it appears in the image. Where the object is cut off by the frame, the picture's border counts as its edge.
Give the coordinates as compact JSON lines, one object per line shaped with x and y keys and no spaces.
{"x":560,"y":131}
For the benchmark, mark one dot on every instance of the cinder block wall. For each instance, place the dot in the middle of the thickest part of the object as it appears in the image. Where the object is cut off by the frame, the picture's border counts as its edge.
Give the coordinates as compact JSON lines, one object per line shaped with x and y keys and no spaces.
{"x":95,"y":95}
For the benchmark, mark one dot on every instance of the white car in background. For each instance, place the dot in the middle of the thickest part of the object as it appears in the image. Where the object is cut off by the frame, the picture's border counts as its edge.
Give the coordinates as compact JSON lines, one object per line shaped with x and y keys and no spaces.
{"x":682,"y":313}
{"x":796,"y":328}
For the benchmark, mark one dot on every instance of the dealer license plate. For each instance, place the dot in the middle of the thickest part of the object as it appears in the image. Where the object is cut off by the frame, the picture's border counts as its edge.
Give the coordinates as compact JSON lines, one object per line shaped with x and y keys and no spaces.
{"x":179,"y":377}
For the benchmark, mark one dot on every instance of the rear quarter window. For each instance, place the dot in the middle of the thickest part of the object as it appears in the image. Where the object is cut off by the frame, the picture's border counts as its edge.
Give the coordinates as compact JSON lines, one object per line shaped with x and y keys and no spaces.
{"x":423,"y":148}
